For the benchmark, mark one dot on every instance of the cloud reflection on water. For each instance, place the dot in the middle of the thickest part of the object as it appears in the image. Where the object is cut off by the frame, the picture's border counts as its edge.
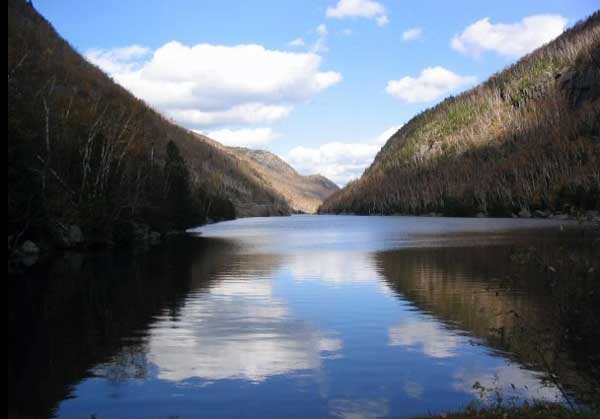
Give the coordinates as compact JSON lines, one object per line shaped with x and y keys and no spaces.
{"x":428,"y":335}
{"x":238,"y":330}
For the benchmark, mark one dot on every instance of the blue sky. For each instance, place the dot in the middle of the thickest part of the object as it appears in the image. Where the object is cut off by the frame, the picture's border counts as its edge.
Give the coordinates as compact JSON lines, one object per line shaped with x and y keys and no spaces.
{"x":320,"y":83}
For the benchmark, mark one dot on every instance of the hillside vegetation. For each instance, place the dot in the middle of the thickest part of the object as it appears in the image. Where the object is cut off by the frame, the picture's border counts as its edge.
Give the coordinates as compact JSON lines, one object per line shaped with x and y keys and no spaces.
{"x":83,"y":151}
{"x":527,"y":139}
{"x":303,"y":193}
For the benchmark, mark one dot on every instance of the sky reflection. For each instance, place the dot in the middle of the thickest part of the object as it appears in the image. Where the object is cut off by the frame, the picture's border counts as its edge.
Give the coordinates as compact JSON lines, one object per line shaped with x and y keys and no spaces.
{"x":311,"y":330}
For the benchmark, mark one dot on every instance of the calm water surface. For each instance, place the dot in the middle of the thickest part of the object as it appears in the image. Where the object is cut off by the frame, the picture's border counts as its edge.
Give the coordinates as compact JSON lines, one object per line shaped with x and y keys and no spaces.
{"x":303,"y":316}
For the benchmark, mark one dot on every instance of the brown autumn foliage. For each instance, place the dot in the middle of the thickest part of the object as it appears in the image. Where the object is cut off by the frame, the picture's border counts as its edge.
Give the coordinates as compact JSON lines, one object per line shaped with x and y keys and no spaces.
{"x":82,"y":150}
{"x":529,"y":137}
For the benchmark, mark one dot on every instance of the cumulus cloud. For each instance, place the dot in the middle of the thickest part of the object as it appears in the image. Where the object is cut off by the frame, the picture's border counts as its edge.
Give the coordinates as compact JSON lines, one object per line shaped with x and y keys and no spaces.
{"x":368,"y":9}
{"x":245,"y":114}
{"x":244,"y":137}
{"x":117,"y":60}
{"x":509,"y":39}
{"x":338,"y":161}
{"x":412,"y":34}
{"x":433,"y":83}
{"x":207,"y":85}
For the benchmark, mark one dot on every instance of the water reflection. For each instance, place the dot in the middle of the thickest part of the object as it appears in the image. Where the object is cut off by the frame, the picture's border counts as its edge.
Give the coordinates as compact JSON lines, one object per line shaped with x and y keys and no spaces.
{"x":359,"y":409}
{"x":236,"y":329}
{"x":506,"y":383}
{"x":333,"y":266}
{"x":305,"y":328}
{"x":426,"y":335}
{"x":511,"y":307}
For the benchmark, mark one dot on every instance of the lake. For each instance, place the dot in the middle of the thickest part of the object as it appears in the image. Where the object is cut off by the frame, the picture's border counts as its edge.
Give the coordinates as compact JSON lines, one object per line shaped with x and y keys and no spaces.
{"x":306,"y":316}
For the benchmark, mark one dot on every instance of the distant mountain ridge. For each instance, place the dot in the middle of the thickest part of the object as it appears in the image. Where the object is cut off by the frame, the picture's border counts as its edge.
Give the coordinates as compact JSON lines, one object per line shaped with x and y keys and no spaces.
{"x":303,"y":193}
{"x":526,"y":140}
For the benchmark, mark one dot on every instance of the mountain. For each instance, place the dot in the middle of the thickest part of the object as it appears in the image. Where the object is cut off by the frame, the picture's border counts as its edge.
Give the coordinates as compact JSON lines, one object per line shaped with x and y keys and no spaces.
{"x":303,"y":193}
{"x":526,"y":140}
{"x":84,"y":151}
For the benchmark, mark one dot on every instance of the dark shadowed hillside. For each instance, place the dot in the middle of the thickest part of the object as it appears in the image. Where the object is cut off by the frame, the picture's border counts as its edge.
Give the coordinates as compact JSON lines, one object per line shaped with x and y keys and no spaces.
{"x":527,"y":139}
{"x":303,"y":193}
{"x":83,"y":151}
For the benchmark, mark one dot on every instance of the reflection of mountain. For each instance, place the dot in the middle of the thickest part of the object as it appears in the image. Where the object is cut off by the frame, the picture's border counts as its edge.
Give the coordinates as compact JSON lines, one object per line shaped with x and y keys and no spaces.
{"x":470,"y":288}
{"x":73,"y":315}
{"x":458,"y":284}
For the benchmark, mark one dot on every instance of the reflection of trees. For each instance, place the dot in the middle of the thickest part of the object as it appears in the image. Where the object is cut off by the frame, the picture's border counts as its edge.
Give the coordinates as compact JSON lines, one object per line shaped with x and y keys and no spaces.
{"x":75,"y":314}
{"x":129,"y":363}
{"x":461,"y":285}
{"x":510,"y":305}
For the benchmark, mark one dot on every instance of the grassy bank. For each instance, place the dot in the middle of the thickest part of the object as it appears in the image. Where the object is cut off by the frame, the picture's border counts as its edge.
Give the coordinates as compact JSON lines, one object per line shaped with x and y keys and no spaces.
{"x":525,"y":412}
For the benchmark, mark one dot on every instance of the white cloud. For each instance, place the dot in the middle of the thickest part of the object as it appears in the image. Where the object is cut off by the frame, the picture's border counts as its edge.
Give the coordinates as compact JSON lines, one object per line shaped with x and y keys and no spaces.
{"x":321,"y":30}
{"x":368,"y":9}
{"x":346,"y":32}
{"x":340,"y":162}
{"x":382,"y":20}
{"x":385,"y":135}
{"x":509,"y":39}
{"x":244,"y":137}
{"x":117,"y":60}
{"x":433,"y":83}
{"x":207,"y":85}
{"x":319,"y":46}
{"x":245,"y":114}
{"x":412,"y":34}
{"x":326,"y":79}
{"x":298,"y":42}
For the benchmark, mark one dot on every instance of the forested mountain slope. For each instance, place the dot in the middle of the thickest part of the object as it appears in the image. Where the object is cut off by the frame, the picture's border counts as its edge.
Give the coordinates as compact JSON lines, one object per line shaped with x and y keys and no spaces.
{"x":527,"y":139}
{"x":83,"y":151}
